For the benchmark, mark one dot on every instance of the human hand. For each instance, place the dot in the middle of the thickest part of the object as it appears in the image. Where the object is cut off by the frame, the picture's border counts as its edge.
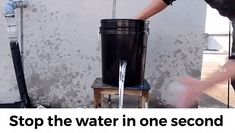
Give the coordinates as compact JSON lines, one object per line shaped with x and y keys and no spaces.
{"x":193,"y":89}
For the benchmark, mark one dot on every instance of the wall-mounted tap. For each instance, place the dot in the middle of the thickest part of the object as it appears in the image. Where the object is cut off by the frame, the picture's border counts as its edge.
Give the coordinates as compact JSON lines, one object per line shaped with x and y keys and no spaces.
{"x":9,"y":12}
{"x":11,"y":5}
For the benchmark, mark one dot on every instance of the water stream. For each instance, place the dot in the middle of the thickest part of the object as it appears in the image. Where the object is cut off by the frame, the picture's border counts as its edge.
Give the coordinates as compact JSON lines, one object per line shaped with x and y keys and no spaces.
{"x":122,"y":74}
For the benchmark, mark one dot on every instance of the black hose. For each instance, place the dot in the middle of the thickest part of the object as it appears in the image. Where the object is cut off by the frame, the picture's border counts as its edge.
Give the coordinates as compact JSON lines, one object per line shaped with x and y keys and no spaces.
{"x":15,"y":51}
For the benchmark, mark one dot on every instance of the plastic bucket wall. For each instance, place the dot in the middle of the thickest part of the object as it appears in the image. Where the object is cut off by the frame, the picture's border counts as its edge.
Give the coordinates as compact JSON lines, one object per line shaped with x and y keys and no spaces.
{"x":123,"y":39}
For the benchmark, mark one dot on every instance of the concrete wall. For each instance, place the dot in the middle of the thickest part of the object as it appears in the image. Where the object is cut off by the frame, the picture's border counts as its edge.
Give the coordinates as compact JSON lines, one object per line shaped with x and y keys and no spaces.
{"x":63,"y":56}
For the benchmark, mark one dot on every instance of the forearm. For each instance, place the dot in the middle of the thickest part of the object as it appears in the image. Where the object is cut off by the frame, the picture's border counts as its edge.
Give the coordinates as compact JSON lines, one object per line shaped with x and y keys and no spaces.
{"x":227,"y":71}
{"x":153,"y":8}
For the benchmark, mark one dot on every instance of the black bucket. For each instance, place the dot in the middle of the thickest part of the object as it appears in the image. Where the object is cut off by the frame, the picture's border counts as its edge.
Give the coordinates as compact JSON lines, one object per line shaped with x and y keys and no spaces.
{"x":123,"y":39}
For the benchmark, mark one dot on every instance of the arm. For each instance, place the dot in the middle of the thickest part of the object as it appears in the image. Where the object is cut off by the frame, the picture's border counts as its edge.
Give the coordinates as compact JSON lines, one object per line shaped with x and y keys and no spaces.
{"x":227,"y":71}
{"x":153,"y":8}
{"x":195,"y":87}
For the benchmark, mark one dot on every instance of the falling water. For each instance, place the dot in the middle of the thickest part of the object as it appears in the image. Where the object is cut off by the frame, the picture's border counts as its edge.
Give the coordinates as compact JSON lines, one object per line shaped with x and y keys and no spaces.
{"x":122,"y":73}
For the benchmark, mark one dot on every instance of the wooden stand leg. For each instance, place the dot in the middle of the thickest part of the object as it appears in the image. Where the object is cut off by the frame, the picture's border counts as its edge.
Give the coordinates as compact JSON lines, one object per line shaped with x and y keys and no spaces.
{"x":140,"y":102}
{"x":145,"y":99}
{"x":97,"y":98}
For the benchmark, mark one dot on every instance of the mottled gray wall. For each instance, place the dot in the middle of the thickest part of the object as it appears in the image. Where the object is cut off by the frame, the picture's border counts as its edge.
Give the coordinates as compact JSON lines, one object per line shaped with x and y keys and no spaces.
{"x":63,"y":57}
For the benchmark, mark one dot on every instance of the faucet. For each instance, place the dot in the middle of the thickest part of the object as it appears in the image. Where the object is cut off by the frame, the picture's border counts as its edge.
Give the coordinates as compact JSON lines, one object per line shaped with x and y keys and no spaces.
{"x":9,"y":8}
{"x":9,"y":12}
{"x":11,"y":5}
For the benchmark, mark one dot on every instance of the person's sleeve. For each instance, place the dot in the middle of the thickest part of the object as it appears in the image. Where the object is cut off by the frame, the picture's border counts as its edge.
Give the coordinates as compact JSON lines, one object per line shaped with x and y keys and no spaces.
{"x":168,"y":2}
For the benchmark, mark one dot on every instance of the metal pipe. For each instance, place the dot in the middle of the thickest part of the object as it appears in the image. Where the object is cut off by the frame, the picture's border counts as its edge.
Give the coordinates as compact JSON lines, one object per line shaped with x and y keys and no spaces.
{"x":113,"y":17}
{"x":114,"y":9}
{"x":229,"y":55}
{"x":22,"y":36}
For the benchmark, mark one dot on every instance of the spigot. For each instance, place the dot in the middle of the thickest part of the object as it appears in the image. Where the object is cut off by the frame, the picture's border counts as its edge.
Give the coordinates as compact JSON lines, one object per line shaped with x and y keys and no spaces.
{"x":9,"y":12}
{"x":11,"y":5}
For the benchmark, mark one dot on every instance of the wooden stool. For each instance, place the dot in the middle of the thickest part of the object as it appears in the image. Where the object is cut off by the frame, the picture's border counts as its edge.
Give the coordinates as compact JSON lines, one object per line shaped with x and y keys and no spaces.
{"x":101,"y":89}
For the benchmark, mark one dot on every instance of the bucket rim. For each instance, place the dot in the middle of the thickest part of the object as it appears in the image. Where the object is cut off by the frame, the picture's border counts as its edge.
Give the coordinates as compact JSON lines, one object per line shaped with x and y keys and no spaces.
{"x":123,"y":19}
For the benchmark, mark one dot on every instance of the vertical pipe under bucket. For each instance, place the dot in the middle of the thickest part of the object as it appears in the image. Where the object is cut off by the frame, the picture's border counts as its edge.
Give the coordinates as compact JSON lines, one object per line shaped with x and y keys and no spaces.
{"x":114,"y":9}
